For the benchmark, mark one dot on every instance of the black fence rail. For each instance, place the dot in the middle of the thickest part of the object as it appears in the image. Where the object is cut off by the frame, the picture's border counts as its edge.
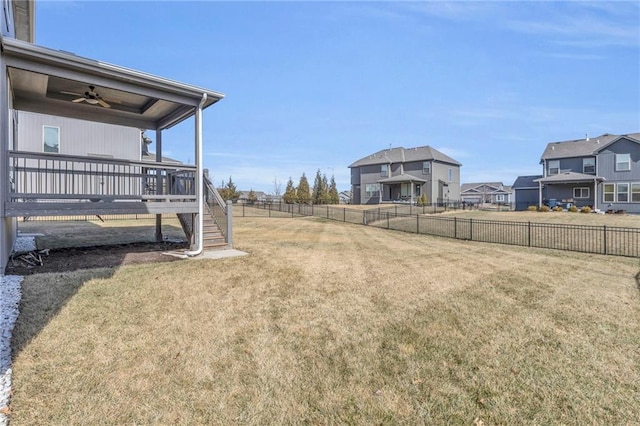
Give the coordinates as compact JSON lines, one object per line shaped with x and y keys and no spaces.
{"x":608,"y":240}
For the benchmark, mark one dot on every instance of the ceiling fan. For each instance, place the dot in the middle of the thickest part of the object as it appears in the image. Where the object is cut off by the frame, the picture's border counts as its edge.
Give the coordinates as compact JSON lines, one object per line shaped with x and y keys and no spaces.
{"x":91,"y":97}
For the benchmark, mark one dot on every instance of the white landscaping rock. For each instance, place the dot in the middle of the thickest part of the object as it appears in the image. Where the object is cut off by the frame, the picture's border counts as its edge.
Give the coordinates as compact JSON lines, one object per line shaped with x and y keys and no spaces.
{"x":9,"y":301}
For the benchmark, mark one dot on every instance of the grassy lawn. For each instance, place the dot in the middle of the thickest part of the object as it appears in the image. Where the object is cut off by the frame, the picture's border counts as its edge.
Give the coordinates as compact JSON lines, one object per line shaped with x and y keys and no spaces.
{"x":334,"y":323}
{"x":622,"y":220}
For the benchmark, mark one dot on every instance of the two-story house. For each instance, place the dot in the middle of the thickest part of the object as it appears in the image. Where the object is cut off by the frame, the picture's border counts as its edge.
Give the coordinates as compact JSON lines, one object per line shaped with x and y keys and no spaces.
{"x":404,"y":175}
{"x":602,"y":172}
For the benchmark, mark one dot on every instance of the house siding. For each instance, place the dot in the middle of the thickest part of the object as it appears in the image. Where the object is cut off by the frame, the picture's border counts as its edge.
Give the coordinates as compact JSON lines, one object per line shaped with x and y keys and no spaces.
{"x":570,"y":164}
{"x":606,"y":161}
{"x":76,"y":136}
{"x":525,"y":197}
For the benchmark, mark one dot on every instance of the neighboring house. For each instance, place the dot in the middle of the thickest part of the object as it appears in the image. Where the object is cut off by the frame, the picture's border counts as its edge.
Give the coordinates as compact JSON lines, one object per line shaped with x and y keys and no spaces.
{"x":261,"y":196}
{"x":486,"y":192}
{"x":403,"y":175}
{"x":345,"y":197}
{"x":525,"y":190}
{"x":46,"y":174}
{"x":601,"y":172}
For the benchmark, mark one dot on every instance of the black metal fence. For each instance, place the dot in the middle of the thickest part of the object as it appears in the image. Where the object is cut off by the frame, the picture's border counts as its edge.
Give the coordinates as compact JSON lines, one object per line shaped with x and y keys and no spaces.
{"x":608,"y":240}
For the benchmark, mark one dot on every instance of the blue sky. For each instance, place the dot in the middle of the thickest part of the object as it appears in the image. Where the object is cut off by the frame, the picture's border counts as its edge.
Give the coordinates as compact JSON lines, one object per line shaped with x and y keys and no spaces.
{"x":318,"y":85}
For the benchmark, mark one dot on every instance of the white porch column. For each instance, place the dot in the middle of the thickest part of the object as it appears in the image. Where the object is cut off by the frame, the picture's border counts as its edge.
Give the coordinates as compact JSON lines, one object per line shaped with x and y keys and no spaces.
{"x":539,"y":194}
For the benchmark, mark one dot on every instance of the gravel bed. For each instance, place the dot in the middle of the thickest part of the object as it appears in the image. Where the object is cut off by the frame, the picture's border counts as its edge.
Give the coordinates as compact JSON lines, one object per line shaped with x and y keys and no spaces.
{"x":9,"y":302}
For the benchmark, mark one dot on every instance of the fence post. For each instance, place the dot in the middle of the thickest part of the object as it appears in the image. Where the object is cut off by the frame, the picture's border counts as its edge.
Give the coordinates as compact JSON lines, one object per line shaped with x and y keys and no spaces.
{"x":529,"y":233}
{"x":291,"y":210}
{"x":604,"y":231}
{"x":344,"y":214}
{"x":269,"y":209}
{"x":417,"y":224}
{"x":455,"y":227}
{"x":471,"y":229}
{"x":312,"y":208}
{"x":364,"y":217}
{"x":327,"y":211}
{"x":387,"y":220}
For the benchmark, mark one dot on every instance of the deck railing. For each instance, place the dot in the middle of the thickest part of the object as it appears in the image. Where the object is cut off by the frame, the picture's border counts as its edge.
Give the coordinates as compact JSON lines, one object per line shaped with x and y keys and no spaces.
{"x":218,"y":209}
{"x":56,"y":177}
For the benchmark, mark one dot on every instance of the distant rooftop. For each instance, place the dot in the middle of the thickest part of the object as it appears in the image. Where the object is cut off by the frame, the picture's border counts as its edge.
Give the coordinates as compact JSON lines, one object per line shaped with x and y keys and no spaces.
{"x":405,"y":155}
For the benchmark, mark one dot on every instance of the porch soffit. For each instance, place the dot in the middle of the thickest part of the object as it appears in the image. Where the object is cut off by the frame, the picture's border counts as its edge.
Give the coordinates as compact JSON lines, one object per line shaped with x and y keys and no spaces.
{"x":48,"y":81}
{"x":403,"y":178}
{"x":569,"y":177}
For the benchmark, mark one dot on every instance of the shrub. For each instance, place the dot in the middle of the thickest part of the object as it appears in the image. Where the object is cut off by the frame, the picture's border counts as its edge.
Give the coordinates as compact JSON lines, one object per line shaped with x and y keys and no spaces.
{"x":544,"y":209}
{"x":573,"y":209}
{"x":532,"y":208}
{"x":557,"y":209}
{"x":585,"y":209}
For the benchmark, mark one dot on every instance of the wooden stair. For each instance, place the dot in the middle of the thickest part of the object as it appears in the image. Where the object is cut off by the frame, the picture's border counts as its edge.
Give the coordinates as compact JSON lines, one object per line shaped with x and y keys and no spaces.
{"x":212,"y":237}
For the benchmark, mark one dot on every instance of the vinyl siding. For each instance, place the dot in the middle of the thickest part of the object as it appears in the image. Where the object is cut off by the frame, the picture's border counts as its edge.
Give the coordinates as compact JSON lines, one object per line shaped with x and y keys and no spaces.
{"x":78,"y":137}
{"x":606,"y":161}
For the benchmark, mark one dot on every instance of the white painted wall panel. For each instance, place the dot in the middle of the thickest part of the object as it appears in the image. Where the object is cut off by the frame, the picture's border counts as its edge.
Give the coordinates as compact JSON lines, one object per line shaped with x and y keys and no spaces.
{"x":78,"y":137}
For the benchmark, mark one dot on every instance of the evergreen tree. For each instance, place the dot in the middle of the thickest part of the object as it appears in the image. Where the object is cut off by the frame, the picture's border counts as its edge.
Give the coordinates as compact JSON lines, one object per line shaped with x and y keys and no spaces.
{"x":252,"y":197}
{"x":290,"y":196}
{"x":334,"y":197}
{"x":319,"y":195}
{"x":324,"y":194}
{"x":229,"y":191}
{"x":304,"y":196}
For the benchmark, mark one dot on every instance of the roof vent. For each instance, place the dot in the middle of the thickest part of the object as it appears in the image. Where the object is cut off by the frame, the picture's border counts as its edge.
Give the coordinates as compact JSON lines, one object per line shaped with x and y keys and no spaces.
{"x":553,"y":147}
{"x":587,"y":136}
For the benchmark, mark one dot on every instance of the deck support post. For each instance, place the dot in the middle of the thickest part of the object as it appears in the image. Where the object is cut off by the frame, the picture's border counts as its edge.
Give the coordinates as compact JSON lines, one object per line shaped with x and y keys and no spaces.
{"x":158,"y":184}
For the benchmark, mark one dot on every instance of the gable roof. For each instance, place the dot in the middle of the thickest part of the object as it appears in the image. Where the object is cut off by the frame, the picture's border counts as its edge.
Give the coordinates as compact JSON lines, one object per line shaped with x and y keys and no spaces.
{"x":569,"y":177}
{"x":526,"y":182}
{"x":471,"y":186}
{"x":583,"y":147}
{"x":405,"y":155}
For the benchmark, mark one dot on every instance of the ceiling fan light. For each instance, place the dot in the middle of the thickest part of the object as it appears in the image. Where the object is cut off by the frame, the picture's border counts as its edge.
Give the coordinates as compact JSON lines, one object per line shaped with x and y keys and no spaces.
{"x":92,"y":101}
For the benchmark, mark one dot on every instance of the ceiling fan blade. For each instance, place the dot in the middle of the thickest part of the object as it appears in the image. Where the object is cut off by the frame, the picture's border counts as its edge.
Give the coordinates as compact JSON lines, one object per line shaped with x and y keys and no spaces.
{"x":103,"y":103}
{"x":78,"y":100}
{"x":71,"y":93}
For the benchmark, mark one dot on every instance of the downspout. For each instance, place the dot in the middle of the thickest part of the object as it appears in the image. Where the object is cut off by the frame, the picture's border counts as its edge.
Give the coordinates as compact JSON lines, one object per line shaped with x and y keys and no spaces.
{"x":199,"y":178}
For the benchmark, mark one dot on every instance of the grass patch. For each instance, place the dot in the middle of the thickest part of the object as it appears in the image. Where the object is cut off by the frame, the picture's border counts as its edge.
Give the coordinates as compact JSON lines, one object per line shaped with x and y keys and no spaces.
{"x":335,"y":323}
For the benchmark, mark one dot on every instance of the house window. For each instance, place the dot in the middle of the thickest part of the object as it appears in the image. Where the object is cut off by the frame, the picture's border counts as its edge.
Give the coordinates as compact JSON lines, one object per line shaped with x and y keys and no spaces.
{"x":589,"y":165}
{"x":554,"y":167}
{"x":623,"y":192}
{"x":635,"y":192}
{"x":623,"y":162}
{"x":51,"y":139}
{"x":608,"y":193}
{"x":580,"y":192}
{"x":426,"y":167}
{"x":450,"y":175}
{"x":372,"y":190}
{"x":500,"y":198}
{"x":384,"y":170}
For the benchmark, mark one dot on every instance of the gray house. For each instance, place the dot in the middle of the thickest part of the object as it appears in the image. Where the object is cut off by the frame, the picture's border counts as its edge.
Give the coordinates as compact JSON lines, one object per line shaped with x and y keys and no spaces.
{"x":486,"y":192}
{"x":525,"y":192}
{"x":601,"y":172}
{"x":403,"y":175}
{"x":44,"y":179}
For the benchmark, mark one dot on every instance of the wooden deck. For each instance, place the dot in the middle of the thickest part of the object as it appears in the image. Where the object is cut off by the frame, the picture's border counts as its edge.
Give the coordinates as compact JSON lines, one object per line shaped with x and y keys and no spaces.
{"x":42,"y":184}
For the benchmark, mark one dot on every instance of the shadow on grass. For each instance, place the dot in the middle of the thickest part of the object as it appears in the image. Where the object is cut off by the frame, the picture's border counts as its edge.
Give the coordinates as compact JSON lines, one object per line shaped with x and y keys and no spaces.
{"x":47,"y":288}
{"x":43,"y":296}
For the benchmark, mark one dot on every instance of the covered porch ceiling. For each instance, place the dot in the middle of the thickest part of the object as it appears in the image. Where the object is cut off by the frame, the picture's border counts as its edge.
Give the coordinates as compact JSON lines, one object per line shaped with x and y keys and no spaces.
{"x":59,"y":83}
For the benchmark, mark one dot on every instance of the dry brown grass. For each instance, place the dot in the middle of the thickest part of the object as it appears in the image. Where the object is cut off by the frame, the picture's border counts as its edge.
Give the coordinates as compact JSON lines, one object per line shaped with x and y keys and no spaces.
{"x":332,"y":323}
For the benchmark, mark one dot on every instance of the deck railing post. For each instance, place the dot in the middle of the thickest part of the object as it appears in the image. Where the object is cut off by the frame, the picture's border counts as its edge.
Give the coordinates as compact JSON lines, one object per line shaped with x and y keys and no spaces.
{"x":230,"y":223}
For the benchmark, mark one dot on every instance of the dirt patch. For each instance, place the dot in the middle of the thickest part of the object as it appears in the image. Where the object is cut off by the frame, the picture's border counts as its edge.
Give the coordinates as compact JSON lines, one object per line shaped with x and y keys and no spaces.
{"x":72,"y":259}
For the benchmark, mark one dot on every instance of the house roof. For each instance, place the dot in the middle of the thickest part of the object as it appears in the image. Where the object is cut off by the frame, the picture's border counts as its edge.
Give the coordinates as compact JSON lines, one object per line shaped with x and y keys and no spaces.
{"x":405,"y":155}
{"x":401,"y":178}
{"x":569,"y":177}
{"x":526,"y":182}
{"x":53,"y":82}
{"x":583,"y":147}
{"x":498,"y":188}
